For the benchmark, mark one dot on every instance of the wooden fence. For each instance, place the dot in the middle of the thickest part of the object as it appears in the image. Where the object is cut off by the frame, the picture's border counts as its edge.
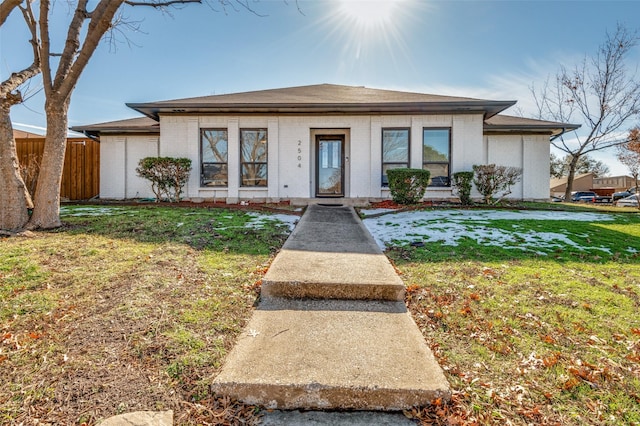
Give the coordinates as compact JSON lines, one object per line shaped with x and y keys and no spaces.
{"x":81,"y":173}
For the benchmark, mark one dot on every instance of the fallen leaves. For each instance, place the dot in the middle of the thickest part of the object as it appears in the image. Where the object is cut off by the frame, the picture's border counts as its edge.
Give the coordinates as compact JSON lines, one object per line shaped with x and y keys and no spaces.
{"x":217,"y":410}
{"x":478,"y":321}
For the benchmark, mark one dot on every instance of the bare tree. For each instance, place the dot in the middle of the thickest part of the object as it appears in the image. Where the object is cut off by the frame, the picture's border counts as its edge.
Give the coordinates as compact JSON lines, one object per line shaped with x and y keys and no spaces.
{"x":629,"y":154}
{"x":88,"y":25}
{"x":586,"y":164}
{"x":14,"y":197}
{"x":600,"y":92}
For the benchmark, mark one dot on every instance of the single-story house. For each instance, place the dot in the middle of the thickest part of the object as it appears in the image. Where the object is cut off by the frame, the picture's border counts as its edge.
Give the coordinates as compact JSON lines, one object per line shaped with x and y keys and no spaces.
{"x":313,"y":143}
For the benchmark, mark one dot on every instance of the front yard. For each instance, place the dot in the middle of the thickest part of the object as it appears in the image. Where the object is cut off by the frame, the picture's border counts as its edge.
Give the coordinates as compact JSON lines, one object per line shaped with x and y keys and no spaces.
{"x":534,"y":319}
{"x":127,"y":309}
{"x":533,"y":315}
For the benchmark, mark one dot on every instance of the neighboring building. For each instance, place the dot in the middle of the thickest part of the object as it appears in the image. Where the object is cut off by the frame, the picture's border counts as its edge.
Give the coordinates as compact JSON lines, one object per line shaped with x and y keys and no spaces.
{"x":81,"y":172}
{"x":583,"y":182}
{"x":617,"y":183}
{"x":313,"y":143}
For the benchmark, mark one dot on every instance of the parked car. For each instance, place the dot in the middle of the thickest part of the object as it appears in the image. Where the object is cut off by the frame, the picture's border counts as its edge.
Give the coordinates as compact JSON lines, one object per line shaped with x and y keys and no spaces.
{"x":630,"y":201}
{"x":584,"y":196}
{"x":623,"y":194}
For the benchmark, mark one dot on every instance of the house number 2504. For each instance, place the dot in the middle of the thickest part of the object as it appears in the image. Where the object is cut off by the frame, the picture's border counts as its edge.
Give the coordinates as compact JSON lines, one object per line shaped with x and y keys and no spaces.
{"x":300,"y":154}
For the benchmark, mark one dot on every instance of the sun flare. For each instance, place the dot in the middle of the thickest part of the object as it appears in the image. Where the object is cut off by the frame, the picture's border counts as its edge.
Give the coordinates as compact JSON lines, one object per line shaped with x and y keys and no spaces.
{"x":366,"y":30}
{"x":369,"y":13}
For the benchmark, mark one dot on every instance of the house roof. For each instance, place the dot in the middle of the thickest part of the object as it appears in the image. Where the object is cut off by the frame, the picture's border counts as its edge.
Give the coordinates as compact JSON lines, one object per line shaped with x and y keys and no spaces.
{"x":323,"y":98}
{"x":131,"y":125}
{"x":558,"y":182}
{"x":23,"y":134}
{"x":328,"y":99}
{"x":507,"y":123}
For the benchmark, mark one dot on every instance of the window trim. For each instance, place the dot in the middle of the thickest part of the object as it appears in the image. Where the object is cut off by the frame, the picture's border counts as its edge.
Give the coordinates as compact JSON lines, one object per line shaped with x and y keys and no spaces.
{"x":383,"y":163}
{"x":448,"y":163}
{"x":202,"y":162}
{"x":266,"y":163}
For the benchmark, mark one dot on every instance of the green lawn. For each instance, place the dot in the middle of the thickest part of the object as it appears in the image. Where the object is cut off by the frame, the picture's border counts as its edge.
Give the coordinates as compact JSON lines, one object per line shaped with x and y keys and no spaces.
{"x":527,"y":337}
{"x":130,"y":308}
{"x":126,"y":308}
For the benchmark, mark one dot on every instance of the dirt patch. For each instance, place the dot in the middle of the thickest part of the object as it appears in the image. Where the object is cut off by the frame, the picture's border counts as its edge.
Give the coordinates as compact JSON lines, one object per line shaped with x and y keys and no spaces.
{"x":141,"y":339}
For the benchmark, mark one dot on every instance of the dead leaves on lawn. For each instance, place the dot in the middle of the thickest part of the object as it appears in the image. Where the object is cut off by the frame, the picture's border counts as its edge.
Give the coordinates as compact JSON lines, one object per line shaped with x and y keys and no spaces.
{"x":569,"y":378}
{"x":218,"y":410}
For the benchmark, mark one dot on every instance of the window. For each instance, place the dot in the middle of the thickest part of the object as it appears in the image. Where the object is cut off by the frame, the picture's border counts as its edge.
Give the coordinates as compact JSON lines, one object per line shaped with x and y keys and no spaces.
{"x":395,"y":151}
{"x":436,"y":145}
{"x":253,"y":157}
{"x":213,"y":155}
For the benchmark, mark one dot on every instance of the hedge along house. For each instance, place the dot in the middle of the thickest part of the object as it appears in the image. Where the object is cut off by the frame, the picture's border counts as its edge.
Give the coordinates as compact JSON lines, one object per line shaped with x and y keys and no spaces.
{"x":321,"y":143}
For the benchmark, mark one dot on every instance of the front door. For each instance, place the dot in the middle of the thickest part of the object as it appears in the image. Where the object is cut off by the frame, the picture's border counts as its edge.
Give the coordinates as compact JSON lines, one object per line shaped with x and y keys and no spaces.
{"x":330,"y":166}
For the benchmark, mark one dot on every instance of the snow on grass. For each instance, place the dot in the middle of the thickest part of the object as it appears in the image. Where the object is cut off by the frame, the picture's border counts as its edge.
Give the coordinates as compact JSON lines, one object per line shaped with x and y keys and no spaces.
{"x":77,"y":211}
{"x":449,"y":226}
{"x":259,"y":220}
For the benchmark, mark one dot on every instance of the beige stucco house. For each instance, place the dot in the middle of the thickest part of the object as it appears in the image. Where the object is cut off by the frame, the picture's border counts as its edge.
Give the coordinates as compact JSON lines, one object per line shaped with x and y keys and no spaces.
{"x":616,"y":183}
{"x":581,"y":182}
{"x":321,"y":143}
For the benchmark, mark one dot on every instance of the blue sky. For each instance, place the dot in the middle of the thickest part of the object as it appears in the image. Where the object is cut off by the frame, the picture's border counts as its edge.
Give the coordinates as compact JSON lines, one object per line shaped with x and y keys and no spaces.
{"x":482,"y":49}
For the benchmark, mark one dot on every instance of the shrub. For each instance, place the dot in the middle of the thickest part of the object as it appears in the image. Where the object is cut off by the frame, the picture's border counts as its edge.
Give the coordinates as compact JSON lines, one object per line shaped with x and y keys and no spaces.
{"x":408,"y":186}
{"x":462,"y":183}
{"x":167,"y":175}
{"x":492,"y":180}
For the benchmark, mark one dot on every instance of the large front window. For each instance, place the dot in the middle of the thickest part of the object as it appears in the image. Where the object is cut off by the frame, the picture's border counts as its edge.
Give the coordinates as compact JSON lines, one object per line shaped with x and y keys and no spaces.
{"x":436,"y":155}
{"x":213,"y":155}
{"x":253,"y":157}
{"x":395,"y":151}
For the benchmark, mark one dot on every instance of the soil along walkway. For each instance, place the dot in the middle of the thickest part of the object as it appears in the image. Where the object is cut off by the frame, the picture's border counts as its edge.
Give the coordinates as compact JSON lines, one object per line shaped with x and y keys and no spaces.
{"x":331,"y":330}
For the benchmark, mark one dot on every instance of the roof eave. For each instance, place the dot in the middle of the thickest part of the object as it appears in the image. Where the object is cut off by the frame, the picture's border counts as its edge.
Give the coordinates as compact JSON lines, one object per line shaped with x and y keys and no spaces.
{"x":97,"y":131}
{"x":554,"y":131}
{"x":488,"y":108}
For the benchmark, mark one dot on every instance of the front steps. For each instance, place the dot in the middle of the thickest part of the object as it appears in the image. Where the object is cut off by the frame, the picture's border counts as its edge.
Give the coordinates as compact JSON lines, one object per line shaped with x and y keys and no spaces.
{"x":332,"y":331}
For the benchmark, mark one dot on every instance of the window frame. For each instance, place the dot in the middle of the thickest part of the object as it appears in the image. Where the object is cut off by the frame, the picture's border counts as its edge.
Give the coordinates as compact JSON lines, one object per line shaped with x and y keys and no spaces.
{"x":448,"y":162}
{"x":265,"y":163}
{"x":384,"y":163}
{"x":202,"y":162}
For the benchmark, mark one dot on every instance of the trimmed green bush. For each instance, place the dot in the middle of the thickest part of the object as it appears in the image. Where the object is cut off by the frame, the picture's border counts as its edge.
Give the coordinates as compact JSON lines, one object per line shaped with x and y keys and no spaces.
{"x":168,"y":175}
{"x":408,"y":186}
{"x":462,"y":182}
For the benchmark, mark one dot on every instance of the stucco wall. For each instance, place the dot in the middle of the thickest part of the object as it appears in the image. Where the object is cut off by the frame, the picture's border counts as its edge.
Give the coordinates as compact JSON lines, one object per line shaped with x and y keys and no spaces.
{"x":528,"y":152}
{"x":118,"y":161}
{"x":291,"y":154}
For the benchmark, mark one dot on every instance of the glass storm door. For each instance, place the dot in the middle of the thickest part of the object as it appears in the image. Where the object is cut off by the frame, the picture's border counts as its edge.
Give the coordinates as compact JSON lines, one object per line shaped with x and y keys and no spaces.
{"x":329,"y":166}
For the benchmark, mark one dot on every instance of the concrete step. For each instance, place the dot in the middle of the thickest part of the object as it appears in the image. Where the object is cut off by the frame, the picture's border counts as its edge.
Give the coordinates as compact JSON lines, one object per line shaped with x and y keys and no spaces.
{"x":332,"y":354}
{"x":331,"y":255}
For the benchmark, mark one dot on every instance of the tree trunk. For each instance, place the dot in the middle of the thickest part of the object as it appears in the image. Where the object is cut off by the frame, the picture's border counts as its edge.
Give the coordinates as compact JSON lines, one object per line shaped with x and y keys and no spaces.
{"x":46,"y":212}
{"x":572,"y":174}
{"x":14,"y":197}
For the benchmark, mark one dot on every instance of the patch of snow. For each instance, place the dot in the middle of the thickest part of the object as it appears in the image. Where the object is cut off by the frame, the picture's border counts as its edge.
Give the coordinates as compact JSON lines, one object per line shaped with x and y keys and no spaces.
{"x":259,"y":220}
{"x":91,"y":211}
{"x":448,"y":227}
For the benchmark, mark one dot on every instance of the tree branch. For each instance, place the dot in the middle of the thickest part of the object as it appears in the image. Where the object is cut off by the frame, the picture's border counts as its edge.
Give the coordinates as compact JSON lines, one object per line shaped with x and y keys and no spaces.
{"x":160,"y":4}
{"x":72,"y":43}
{"x":6,"y":7}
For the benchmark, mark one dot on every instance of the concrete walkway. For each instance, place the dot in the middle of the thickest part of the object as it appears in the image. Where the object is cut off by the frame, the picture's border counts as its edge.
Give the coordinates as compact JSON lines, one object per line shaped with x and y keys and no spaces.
{"x":331,"y":331}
